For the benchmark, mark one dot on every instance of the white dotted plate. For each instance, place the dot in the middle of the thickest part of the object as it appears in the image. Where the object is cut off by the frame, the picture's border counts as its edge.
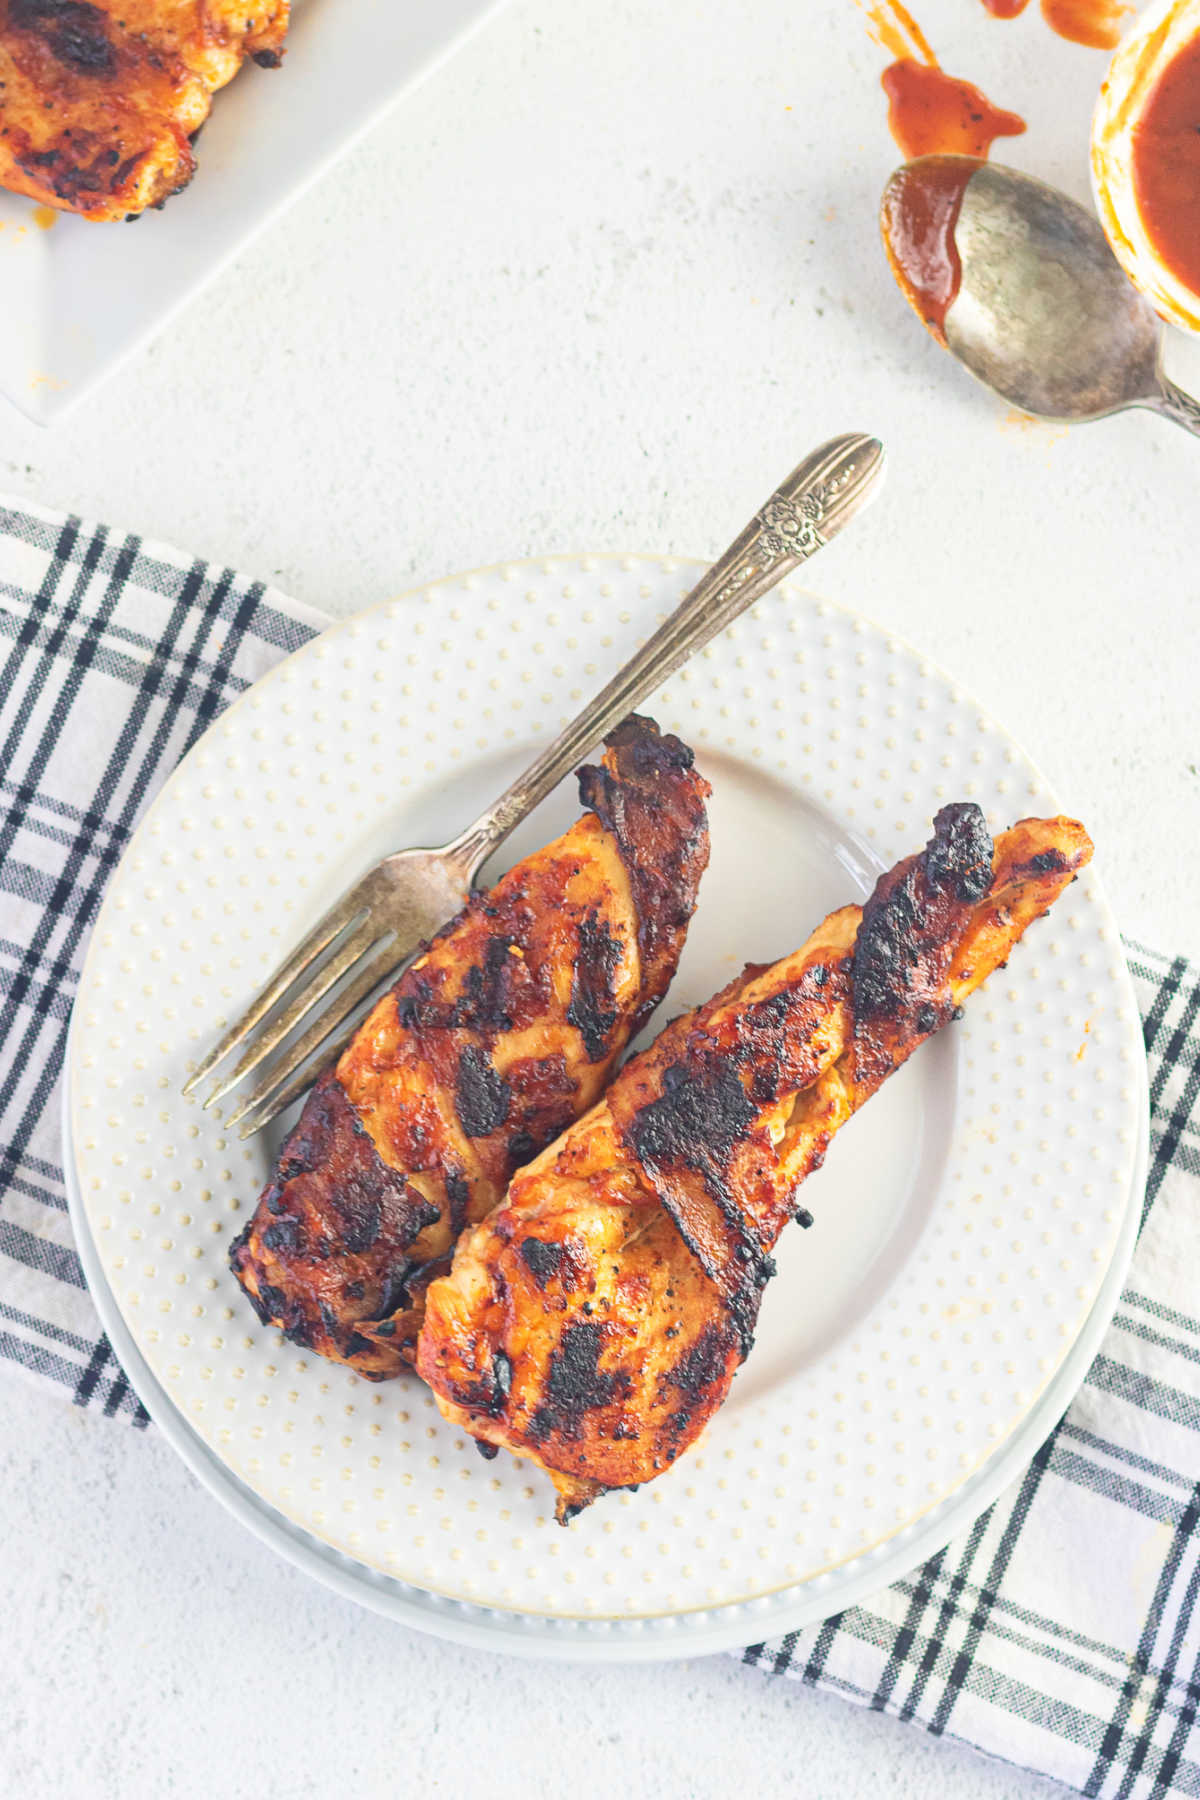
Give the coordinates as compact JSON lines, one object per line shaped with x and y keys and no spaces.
{"x":965,"y":1220}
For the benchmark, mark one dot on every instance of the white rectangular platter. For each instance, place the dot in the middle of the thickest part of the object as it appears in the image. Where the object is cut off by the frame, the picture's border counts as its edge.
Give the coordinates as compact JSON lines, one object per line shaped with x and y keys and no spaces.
{"x":77,"y":298}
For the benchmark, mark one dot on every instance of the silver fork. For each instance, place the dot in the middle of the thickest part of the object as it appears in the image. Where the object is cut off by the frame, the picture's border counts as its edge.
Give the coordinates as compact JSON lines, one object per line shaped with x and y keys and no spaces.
{"x":405,"y":899}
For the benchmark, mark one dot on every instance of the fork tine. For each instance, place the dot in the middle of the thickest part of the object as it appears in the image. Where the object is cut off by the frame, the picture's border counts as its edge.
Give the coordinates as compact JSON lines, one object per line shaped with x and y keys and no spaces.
{"x":346,"y":912}
{"x":253,"y":1119}
{"x":349,"y":951}
{"x":392,"y":953}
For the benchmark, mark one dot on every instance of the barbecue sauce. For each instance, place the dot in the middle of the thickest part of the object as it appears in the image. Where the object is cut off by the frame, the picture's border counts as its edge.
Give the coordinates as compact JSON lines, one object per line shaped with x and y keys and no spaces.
{"x":931,"y":112}
{"x":920,"y":211}
{"x":928,"y":110}
{"x":1166,"y":165}
{"x":1096,"y":23}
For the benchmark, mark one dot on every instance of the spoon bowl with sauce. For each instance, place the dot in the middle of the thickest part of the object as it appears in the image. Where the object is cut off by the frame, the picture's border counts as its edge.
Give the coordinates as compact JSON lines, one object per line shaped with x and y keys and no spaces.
{"x":1018,"y":282}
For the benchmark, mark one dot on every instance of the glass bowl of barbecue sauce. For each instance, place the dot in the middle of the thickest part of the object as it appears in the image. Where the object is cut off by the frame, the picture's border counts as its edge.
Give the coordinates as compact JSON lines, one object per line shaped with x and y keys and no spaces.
{"x":1146,"y":158}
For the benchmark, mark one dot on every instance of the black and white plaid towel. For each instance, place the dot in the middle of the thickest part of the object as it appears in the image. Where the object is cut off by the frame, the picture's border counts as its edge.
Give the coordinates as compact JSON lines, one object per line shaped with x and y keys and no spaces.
{"x":1061,"y":1632}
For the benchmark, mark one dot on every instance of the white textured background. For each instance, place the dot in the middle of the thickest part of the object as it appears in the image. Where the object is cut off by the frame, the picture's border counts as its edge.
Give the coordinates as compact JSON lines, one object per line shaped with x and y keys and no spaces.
{"x":596,"y":286}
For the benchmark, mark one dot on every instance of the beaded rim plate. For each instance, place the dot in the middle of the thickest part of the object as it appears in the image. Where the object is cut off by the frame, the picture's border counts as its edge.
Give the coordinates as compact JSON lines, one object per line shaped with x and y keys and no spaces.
{"x":965,"y":1221}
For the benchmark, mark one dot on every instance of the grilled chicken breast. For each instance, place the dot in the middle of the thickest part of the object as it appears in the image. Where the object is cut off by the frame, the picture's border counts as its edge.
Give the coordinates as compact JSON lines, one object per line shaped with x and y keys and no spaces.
{"x":490,"y":1044}
{"x":595,"y":1321}
{"x":100,"y":102}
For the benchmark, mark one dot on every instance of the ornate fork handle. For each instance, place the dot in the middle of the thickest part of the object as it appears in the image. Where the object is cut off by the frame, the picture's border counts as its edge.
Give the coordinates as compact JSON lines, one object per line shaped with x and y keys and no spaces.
{"x":817,"y":500}
{"x":1174,"y":404}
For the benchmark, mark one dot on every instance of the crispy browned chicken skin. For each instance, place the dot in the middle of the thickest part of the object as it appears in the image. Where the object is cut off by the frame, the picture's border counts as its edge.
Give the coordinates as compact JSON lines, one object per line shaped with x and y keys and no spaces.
{"x":595,"y":1321}
{"x":489,"y":1045}
{"x":100,"y":101}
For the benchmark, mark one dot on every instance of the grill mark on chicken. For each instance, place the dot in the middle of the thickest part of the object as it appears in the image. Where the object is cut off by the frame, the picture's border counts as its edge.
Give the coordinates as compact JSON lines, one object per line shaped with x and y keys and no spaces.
{"x":663,"y":903}
{"x":576,"y":1384}
{"x":667,"y":1199}
{"x":458,"y":1193}
{"x":696,"y":1120}
{"x":501,"y":1381}
{"x":75,"y":31}
{"x":284,"y":1234}
{"x":484,"y":1002}
{"x":469,"y":1066}
{"x":701,"y":1114}
{"x":911,"y":927}
{"x":959,"y":855}
{"x":541,"y":1259}
{"x":395,"y":1289}
{"x":593,"y":1010}
{"x":481,"y":1095}
{"x":705,"y":1362}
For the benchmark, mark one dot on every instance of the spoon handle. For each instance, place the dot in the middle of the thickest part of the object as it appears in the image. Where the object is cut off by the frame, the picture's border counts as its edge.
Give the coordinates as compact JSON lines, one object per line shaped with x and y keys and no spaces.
{"x":1173,"y":403}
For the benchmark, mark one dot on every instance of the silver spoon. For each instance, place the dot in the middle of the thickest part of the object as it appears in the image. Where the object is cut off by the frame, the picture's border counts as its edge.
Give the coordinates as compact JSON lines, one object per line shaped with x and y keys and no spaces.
{"x":1044,"y":314}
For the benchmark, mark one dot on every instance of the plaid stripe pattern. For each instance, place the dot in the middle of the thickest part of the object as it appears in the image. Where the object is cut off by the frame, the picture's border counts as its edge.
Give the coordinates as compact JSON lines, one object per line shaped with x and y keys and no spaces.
{"x":115,"y":654}
{"x":1061,"y":1632}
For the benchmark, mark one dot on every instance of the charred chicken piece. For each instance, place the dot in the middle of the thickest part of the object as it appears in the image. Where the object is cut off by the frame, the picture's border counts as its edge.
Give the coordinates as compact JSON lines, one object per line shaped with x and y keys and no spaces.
{"x":595,"y":1321}
{"x":491,"y":1043}
{"x":100,"y":102}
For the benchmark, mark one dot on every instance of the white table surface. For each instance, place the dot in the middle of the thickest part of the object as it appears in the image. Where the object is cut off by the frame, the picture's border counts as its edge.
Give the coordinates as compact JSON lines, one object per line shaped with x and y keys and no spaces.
{"x":596,"y":286}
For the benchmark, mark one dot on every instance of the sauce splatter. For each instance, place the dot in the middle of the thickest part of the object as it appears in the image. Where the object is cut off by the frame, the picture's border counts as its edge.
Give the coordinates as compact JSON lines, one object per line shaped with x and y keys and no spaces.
{"x":1166,"y":165}
{"x":45,"y":218}
{"x":894,"y":29}
{"x":920,"y":210}
{"x":1096,"y":23}
{"x":930,"y":112}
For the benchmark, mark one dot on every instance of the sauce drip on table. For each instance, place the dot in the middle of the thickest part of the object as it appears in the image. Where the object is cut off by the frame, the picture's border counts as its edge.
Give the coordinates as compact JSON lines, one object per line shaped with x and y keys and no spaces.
{"x":928,"y":110}
{"x":921,"y":204}
{"x":1166,"y":165}
{"x":1096,"y":23}
{"x":895,"y":30}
